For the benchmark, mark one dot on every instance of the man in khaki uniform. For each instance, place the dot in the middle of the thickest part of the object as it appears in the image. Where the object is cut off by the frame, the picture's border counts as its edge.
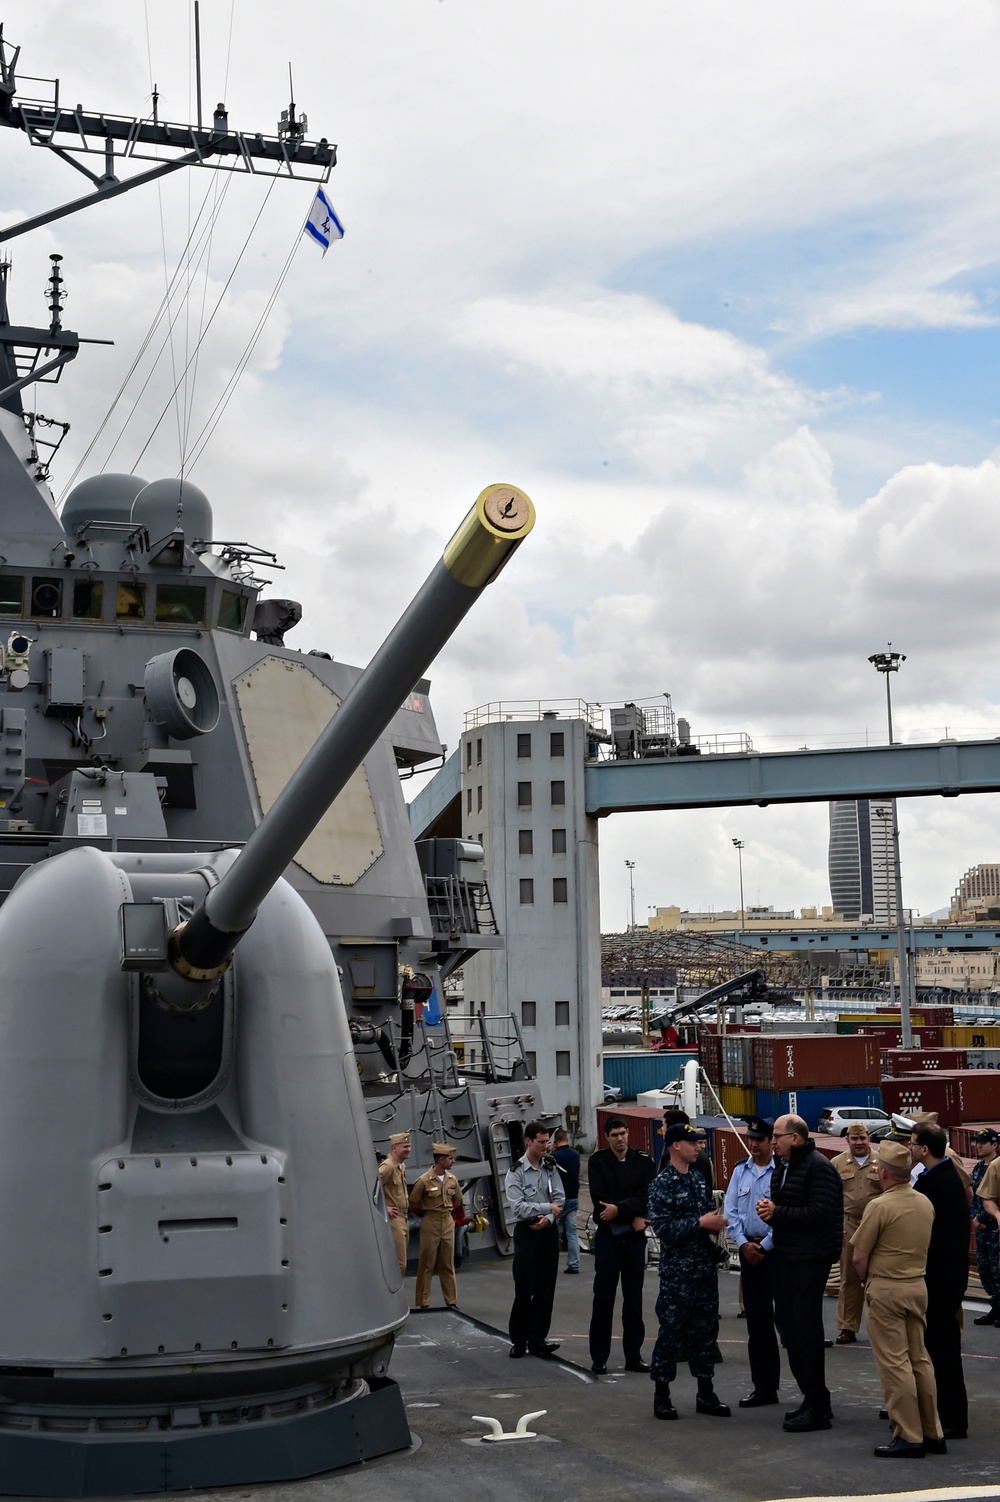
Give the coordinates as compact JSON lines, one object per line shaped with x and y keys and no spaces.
{"x":890,"y":1255}
{"x":393,"y":1175}
{"x":433,"y":1197}
{"x":858,"y":1169}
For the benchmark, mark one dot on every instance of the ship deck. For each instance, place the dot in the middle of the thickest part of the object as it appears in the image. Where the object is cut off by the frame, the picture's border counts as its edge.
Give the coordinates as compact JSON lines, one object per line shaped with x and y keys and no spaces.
{"x":598,"y":1439}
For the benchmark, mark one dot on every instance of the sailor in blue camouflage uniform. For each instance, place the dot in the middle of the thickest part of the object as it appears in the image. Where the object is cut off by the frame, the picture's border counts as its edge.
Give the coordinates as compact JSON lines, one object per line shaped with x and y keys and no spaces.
{"x":682,"y":1216}
{"x":987,"y":1231}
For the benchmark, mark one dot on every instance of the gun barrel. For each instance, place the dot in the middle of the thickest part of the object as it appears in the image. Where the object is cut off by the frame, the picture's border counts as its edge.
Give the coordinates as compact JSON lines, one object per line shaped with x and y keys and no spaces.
{"x":501,"y":518}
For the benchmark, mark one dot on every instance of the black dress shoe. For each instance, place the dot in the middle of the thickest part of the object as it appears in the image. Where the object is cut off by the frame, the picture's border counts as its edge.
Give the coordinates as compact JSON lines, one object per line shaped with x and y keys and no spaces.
{"x":883,"y":1413}
{"x":935,"y":1446}
{"x":900,"y":1449}
{"x":546,"y":1349}
{"x":757,"y":1399}
{"x":571,"y":1269}
{"x":989,"y":1318}
{"x":637,"y":1366}
{"x":519,"y":1351}
{"x":794,"y":1413}
{"x":599,"y":1368}
{"x":956,"y":1434}
{"x":713,"y":1405}
{"x":846,"y":1338}
{"x":806,"y":1423}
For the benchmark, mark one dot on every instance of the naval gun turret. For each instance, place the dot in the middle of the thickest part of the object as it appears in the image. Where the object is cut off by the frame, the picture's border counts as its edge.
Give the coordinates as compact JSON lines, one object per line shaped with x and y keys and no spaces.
{"x":198,"y":1283}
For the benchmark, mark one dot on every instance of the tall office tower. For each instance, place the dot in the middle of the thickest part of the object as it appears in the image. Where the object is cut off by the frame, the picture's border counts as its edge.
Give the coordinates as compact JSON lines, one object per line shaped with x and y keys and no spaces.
{"x":862,"y":870}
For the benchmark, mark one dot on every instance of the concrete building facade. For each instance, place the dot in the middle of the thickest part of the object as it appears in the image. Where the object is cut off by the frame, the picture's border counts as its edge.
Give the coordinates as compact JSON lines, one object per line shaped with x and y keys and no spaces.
{"x":523,"y":799}
{"x":978,"y":890}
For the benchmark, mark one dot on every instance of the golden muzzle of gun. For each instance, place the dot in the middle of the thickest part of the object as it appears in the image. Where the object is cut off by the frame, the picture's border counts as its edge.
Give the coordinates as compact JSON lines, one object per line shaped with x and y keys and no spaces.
{"x":495,"y":527}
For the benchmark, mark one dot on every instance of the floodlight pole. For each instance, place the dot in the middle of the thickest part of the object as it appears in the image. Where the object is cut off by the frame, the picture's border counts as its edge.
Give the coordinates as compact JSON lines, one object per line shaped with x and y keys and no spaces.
{"x":886,"y":663}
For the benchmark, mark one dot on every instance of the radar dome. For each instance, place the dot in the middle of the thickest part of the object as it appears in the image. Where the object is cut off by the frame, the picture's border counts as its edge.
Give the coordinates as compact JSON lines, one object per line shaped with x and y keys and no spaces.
{"x":106,"y":498}
{"x":167,"y":504}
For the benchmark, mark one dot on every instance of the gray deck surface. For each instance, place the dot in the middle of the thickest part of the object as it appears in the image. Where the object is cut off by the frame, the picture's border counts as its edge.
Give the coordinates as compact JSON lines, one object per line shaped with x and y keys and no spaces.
{"x":601,"y":1439}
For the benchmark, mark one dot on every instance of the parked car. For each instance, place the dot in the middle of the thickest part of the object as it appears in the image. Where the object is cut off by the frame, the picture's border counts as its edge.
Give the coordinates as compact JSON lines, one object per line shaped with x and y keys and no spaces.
{"x":612,"y":1094}
{"x":835,"y":1120}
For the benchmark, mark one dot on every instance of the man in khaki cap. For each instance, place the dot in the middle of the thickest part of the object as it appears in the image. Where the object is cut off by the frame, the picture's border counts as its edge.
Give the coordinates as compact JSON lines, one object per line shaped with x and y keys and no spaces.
{"x":858,"y":1169}
{"x":393,"y":1175}
{"x":890,"y":1254}
{"x":433,"y":1197}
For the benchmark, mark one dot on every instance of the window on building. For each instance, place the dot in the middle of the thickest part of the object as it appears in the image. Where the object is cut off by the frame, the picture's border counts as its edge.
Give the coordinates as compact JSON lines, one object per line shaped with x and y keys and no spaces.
{"x":562,"y":1061}
{"x":524,"y":795}
{"x":558,"y":794}
{"x":525,"y":842}
{"x":560,"y":890}
{"x":557,"y":743}
{"x":558,"y":842}
{"x":479,"y":800}
{"x":527,"y":890}
{"x":479,"y":750}
{"x":524,"y":744}
{"x":530,"y":1064}
{"x":528,"y":1013}
{"x":468,"y":755}
{"x":468,"y":800}
{"x":562,"y":1014}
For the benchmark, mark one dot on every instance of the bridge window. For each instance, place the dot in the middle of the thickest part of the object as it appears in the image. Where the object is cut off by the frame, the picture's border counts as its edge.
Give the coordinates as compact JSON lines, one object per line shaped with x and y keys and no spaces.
{"x":525,"y":842}
{"x":12,"y":595}
{"x":232,"y":611}
{"x":130,"y":601}
{"x":180,"y":605}
{"x":46,"y":598}
{"x":88,"y":599}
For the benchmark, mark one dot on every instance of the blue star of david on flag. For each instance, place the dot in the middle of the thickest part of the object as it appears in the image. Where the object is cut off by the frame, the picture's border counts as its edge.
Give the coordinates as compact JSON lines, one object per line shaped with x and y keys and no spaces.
{"x":323,"y":224}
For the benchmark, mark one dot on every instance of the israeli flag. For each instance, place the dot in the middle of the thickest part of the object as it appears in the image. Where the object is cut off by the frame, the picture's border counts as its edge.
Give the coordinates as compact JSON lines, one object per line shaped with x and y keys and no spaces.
{"x":323,"y":224}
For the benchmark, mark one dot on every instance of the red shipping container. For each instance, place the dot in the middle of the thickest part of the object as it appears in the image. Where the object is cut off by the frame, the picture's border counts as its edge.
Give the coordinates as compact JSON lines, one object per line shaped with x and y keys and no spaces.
{"x":969,"y":1095}
{"x":897,"y":1061}
{"x":710,"y":1057}
{"x":728,"y":1150}
{"x":814,"y":1060}
{"x":892,"y":1037}
{"x":963,"y":1137}
{"x":934,"y":1016}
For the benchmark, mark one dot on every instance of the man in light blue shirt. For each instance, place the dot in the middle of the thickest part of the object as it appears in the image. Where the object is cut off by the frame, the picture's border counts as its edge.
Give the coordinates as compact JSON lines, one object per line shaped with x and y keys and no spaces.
{"x":535,"y":1197}
{"x":750,"y":1182}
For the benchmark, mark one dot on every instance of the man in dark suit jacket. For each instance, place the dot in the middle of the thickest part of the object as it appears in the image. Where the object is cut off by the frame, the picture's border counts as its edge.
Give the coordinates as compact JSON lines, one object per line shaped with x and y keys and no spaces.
{"x":947,"y":1274}
{"x":619,"y":1177}
{"x":805,"y":1210}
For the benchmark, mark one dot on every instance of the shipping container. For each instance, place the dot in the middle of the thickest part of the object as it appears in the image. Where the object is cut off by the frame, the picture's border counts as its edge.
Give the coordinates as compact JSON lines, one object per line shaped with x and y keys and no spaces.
{"x":892,"y":1036}
{"x":981,"y":1058}
{"x":810,"y":1103}
{"x":979,"y":1095}
{"x":710,"y":1057}
{"x":878,"y":1018}
{"x":726,"y":1148}
{"x":644,"y":1128}
{"x":798,"y":1025}
{"x":963,"y":1137}
{"x":957,"y":1097}
{"x":636,"y":1070}
{"x":971,"y":1037}
{"x":791,"y":1060}
{"x":897,"y":1061}
{"x":738,"y":1100}
{"x":737,"y":1059}
{"x":935,"y":1016}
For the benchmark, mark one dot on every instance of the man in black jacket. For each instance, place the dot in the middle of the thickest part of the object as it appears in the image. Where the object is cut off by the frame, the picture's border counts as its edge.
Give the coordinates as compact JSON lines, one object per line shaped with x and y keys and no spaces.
{"x":947,"y":1274}
{"x":619,"y":1177}
{"x":805,"y":1210}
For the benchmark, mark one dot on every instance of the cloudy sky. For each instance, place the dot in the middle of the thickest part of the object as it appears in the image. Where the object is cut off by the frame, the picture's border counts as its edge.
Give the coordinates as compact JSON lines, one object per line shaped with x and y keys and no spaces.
{"x":717,"y":284}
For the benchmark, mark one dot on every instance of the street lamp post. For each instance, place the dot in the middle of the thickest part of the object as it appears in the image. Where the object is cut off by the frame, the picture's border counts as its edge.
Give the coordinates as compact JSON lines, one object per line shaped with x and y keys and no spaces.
{"x":631,"y":893}
{"x":886,"y":663}
{"x":740,"y":845}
